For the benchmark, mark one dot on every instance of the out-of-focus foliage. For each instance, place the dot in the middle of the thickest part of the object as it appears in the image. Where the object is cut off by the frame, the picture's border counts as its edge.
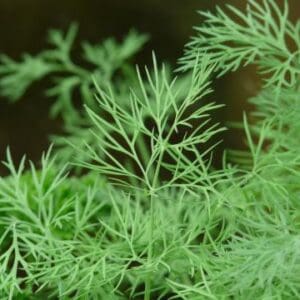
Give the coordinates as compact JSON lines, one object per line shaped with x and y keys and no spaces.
{"x":151,"y":219}
{"x":72,"y":83}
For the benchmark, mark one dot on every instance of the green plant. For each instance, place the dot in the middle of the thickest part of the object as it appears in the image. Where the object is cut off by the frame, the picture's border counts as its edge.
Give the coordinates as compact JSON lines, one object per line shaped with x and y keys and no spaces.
{"x":151,"y":218}
{"x":106,"y":62}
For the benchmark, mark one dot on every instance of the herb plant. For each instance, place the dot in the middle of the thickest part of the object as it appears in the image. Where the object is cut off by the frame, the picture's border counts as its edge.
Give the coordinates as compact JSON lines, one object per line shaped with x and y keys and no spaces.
{"x":147,"y":216}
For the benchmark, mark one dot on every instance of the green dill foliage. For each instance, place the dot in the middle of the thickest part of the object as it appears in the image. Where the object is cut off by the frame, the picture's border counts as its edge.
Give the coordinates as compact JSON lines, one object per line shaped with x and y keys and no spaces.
{"x":157,"y":115}
{"x":263,"y":35}
{"x":105,"y":62}
{"x":151,"y":218}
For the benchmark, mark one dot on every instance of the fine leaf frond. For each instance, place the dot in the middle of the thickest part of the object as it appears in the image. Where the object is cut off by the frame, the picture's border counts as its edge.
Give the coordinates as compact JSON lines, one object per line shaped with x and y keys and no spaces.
{"x":166,"y":113}
{"x":259,"y":35}
{"x":151,"y":216}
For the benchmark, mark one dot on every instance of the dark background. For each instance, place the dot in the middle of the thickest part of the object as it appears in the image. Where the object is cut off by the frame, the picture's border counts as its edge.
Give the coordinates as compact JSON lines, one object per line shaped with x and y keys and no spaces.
{"x":24,"y":126}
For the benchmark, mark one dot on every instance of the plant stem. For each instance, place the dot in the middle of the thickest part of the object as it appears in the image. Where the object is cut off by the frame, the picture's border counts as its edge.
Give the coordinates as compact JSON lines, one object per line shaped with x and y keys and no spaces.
{"x":152,"y":223}
{"x":150,"y":249}
{"x":147,"y":289}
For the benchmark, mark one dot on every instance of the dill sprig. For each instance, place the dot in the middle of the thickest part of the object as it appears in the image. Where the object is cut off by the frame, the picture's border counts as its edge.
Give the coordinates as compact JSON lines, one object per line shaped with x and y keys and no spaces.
{"x":151,"y":218}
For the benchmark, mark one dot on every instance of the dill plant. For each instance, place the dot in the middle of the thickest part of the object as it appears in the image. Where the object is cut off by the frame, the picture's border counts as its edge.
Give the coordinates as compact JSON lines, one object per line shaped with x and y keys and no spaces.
{"x":150,"y":218}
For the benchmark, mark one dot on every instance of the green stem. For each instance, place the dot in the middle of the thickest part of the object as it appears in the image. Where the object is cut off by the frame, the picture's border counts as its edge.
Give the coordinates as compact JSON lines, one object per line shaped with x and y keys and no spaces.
{"x":147,"y":294}
{"x":144,"y":151}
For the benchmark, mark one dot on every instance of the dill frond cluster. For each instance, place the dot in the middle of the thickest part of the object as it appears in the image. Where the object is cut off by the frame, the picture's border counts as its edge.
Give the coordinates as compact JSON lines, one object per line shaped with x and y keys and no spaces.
{"x":145,"y":215}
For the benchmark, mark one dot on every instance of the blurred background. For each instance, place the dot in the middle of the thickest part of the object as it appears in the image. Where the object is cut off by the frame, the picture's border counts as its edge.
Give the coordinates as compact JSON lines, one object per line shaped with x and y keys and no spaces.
{"x":25,"y":125}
